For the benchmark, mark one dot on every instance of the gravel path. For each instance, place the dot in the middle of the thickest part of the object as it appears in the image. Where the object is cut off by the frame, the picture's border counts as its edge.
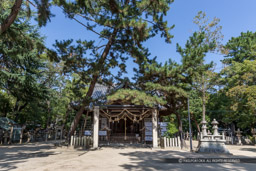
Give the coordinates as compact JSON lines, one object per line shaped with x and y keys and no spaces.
{"x":44,"y":156}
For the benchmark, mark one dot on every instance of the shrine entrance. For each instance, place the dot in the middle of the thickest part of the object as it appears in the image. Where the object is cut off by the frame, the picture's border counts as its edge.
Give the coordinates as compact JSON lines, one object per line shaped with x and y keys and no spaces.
{"x":125,"y":130}
{"x":124,"y":124}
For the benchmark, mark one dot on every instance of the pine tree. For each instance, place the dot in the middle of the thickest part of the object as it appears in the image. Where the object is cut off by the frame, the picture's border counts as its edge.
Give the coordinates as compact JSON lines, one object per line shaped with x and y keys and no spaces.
{"x":20,"y":49}
{"x":241,"y":48}
{"x":193,"y":62}
{"x":9,"y":11}
{"x":165,"y":81}
{"x":122,"y":26}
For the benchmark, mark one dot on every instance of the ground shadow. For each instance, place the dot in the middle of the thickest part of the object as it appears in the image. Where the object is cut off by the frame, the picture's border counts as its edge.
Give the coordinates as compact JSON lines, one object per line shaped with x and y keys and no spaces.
{"x":156,"y":160}
{"x":10,"y":155}
{"x":248,"y":149}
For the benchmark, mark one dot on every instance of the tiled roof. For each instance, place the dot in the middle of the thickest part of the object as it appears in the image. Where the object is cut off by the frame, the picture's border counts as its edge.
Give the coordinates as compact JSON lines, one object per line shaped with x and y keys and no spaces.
{"x":100,"y":91}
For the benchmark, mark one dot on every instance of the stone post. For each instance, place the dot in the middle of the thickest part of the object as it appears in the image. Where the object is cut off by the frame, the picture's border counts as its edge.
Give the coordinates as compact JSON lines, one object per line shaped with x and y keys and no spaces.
{"x":6,"y":136}
{"x":29,"y":137}
{"x":239,"y":135}
{"x":154,"y":128}
{"x":46,"y":134}
{"x":187,"y":135}
{"x":21,"y":133}
{"x":96,"y":127}
{"x":223,"y":135}
{"x":11,"y":135}
{"x":254,"y":135}
{"x":56,"y":133}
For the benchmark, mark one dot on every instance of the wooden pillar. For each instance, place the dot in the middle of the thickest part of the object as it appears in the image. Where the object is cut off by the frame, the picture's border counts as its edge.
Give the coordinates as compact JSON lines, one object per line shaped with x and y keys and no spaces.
{"x":154,"y":128}
{"x":125,"y":129}
{"x":96,"y":127}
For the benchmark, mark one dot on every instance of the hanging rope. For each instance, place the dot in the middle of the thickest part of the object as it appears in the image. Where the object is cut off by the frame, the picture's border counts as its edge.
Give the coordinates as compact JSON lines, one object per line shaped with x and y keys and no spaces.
{"x":123,"y":114}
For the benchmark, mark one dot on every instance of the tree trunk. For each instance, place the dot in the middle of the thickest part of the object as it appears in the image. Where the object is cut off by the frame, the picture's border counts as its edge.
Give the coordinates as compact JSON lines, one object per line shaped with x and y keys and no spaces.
{"x":85,"y":120}
{"x":203,"y":97}
{"x":92,"y":84}
{"x":65,"y":120}
{"x":49,"y":117}
{"x":183,"y":144}
{"x":197,"y":125}
{"x":11,"y":18}
{"x":17,"y":109}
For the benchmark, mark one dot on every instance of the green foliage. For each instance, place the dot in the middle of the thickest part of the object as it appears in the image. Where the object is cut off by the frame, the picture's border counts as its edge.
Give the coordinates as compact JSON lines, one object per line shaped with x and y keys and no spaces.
{"x":241,"y":48}
{"x":193,"y":55}
{"x":172,"y":125}
{"x":135,"y":97}
{"x":128,"y":23}
{"x":5,"y":104}
{"x":41,"y":7}
{"x":171,"y":129}
{"x":240,"y":87}
{"x":22,"y":75}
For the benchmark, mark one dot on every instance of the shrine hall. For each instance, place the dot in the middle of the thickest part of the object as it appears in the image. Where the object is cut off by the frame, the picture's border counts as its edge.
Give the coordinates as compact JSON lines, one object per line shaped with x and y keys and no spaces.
{"x":124,"y":123}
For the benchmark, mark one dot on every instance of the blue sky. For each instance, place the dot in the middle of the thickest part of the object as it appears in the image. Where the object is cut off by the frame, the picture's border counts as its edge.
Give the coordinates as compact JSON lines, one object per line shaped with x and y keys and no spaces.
{"x":236,"y":16}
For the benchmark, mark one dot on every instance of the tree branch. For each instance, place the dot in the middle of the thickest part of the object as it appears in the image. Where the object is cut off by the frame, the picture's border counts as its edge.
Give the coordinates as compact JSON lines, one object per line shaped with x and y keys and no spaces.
{"x":11,"y":18}
{"x":89,"y":28}
{"x":31,"y":3}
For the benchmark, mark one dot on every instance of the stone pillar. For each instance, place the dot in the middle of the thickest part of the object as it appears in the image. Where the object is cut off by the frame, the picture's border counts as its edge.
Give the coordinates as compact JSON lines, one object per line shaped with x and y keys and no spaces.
{"x":239,"y":135}
{"x":154,"y":128}
{"x":96,"y":126}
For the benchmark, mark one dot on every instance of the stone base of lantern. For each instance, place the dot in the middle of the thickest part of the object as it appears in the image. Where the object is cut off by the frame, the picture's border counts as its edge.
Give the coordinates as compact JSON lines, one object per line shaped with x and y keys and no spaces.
{"x":212,"y":146}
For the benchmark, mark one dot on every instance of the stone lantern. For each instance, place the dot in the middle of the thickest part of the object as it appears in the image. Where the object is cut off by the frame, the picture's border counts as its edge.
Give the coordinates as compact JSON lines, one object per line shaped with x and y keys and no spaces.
{"x":212,"y":143}
{"x":215,"y":127}
{"x":239,"y":135}
{"x":254,"y":135}
{"x":204,"y":128}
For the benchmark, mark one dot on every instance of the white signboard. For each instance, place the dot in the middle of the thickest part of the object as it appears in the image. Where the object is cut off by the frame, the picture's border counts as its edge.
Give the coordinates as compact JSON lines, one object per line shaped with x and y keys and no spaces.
{"x":163,"y":124}
{"x":163,"y":127}
{"x":148,"y":129}
{"x":148,"y":133}
{"x":103,"y":133}
{"x":148,"y":124}
{"x":148,"y":138}
{"x":87,"y":132}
